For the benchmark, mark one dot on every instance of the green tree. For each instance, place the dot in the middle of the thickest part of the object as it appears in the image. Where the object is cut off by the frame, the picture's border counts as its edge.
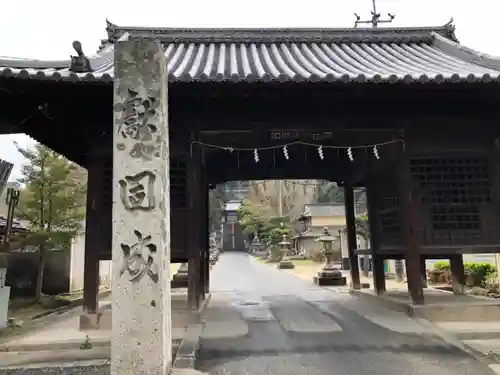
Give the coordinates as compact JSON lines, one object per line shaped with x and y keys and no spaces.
{"x":252,"y":219}
{"x":258,"y":219}
{"x":362,"y":226}
{"x":329,"y":192}
{"x":53,"y":202}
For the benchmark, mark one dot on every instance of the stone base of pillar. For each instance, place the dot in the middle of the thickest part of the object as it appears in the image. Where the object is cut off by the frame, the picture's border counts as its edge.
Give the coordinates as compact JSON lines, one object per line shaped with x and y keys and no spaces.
{"x":90,"y":321}
{"x":330,"y":277}
{"x":286,"y":264}
{"x":330,"y":281}
{"x":180,"y":279}
{"x":360,"y":286}
{"x":457,"y":287}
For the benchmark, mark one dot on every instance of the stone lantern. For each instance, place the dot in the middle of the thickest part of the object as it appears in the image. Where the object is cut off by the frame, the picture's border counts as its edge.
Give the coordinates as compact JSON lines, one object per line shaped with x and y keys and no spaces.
{"x":256,"y":245}
{"x":331,"y":274}
{"x":285,"y":262}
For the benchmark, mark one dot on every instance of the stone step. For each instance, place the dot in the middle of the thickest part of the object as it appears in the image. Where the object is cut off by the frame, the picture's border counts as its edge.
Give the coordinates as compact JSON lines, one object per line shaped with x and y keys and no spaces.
{"x":495,"y":368}
{"x":58,"y":355}
{"x":471,"y":330}
{"x":485,"y":347}
{"x":44,"y":358}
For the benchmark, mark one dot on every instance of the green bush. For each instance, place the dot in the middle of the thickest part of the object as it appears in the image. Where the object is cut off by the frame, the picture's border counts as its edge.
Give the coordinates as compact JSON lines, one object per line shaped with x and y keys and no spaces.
{"x":442,"y":265}
{"x":317,"y":255}
{"x":275,"y":252}
{"x":479,"y":271}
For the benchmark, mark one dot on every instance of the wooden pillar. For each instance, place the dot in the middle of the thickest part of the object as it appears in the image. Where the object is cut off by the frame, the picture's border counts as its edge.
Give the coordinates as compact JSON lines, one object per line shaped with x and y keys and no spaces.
{"x":408,"y":208}
{"x":351,"y":236}
{"x":141,"y":341}
{"x":423,"y":270}
{"x":91,"y":280}
{"x":207,"y":230}
{"x":194,"y":260}
{"x":458,"y":273}
{"x":378,"y":271}
{"x":202,"y":236}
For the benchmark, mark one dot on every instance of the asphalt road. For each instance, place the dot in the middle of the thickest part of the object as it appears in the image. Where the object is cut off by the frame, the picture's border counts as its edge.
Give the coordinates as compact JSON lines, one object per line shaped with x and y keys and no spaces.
{"x":295,"y":327}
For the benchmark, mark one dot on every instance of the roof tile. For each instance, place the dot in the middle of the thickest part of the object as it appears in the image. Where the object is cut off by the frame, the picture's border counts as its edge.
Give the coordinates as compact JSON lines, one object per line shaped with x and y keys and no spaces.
{"x":338,"y":55}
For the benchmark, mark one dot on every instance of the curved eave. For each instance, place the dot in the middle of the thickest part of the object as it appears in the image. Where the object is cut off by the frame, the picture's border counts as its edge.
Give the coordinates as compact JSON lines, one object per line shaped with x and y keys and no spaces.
{"x":465,"y":53}
{"x":22,"y":63}
{"x":67,"y":76}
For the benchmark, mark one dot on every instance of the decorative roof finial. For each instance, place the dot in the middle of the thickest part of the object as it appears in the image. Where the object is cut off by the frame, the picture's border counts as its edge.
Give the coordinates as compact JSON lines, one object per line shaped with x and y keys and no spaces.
{"x":79,"y":63}
{"x":375,"y":20}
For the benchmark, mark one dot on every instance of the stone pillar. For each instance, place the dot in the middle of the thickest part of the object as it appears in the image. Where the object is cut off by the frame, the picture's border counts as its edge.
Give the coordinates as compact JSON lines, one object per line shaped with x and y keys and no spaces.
{"x":458,"y":273}
{"x":399,"y":269}
{"x":351,"y":237}
{"x":141,"y":338}
{"x":378,"y":271}
{"x":90,"y":317}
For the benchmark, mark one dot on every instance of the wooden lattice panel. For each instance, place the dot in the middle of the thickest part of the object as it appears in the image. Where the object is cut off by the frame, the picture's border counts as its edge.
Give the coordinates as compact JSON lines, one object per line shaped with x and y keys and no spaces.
{"x":390,"y":217}
{"x":454,"y":188}
{"x":178,"y":184}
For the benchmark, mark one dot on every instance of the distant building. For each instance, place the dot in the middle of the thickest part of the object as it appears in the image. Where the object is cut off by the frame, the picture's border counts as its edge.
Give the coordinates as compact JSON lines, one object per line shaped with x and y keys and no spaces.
{"x":312,"y":222}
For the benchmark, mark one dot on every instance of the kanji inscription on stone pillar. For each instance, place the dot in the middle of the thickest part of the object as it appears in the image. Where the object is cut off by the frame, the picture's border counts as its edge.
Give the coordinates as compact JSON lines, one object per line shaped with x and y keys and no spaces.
{"x":141,"y":337}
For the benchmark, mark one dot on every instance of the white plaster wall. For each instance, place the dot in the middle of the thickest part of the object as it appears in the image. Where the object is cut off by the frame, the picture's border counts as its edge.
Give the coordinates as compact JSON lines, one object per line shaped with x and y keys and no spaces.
{"x":77,"y":262}
{"x":362,"y":243}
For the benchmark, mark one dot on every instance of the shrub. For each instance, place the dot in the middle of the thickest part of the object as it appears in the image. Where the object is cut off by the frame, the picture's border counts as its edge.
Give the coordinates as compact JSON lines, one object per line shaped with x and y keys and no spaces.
{"x":317,"y":256}
{"x":442,"y":265}
{"x":480,"y":271}
{"x":275,"y":252}
{"x":492,"y":283}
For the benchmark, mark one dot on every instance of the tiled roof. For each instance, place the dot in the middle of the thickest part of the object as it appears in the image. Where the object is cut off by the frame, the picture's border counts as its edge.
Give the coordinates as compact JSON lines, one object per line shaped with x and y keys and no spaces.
{"x":288,"y":55}
{"x":324,"y":210}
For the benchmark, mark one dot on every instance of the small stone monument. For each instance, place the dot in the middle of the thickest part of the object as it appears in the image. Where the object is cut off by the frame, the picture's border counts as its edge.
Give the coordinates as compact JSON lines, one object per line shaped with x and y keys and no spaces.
{"x":285,"y":262}
{"x":4,"y":291}
{"x":331,"y":274}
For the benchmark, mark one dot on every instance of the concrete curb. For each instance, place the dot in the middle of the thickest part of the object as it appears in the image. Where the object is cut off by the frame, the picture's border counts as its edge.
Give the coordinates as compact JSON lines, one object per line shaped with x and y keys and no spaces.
{"x":435,"y":329}
{"x":73,"y":303}
{"x":188,"y":349}
{"x":190,"y":344}
{"x":61,"y":345}
{"x":454,"y":341}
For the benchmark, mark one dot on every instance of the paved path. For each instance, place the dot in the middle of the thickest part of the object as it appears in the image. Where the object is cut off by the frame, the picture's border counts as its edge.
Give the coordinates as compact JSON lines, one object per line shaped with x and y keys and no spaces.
{"x":265,"y":321}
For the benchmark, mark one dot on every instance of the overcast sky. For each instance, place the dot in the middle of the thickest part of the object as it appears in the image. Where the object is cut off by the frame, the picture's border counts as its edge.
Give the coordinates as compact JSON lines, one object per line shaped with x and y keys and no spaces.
{"x":46,"y":29}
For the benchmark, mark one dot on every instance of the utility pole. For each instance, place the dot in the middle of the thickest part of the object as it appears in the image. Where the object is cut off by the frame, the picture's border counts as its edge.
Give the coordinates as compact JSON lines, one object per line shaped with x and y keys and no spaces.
{"x":280,"y":198}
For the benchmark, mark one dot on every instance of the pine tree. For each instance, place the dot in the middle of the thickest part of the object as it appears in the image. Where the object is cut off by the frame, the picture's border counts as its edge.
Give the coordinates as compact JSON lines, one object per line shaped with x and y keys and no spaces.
{"x":52,"y":201}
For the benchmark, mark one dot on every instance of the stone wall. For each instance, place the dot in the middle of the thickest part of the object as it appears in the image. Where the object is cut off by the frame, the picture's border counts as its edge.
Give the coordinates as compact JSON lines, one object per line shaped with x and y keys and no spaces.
{"x":23,"y":267}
